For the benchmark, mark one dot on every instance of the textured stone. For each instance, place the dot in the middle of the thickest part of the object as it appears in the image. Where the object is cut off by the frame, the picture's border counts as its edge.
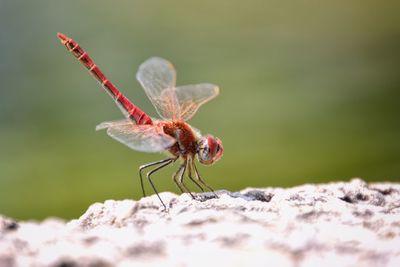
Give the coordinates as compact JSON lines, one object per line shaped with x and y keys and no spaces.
{"x":337,"y":224}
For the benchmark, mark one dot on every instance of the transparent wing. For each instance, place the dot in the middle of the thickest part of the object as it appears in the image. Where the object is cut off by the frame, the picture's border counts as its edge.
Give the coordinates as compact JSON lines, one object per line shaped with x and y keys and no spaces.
{"x":107,"y":124}
{"x":145,"y":138}
{"x":158,"y":79}
{"x":191,"y":97}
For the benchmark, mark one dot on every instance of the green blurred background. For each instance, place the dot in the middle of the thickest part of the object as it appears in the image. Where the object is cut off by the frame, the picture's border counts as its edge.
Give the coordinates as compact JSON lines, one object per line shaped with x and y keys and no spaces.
{"x":309,"y":93}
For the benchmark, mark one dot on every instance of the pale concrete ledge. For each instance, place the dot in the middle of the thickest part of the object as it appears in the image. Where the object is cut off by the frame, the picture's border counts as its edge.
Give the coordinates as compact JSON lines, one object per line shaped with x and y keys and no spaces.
{"x":337,"y":224}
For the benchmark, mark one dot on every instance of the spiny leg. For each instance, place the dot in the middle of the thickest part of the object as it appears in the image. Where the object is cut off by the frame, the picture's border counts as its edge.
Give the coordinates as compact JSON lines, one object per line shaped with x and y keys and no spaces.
{"x":166,"y":163}
{"x":189,"y":166}
{"x":201,"y":180}
{"x":184,"y":164}
{"x":178,"y":182}
{"x":141,"y":168}
{"x":175,"y":176}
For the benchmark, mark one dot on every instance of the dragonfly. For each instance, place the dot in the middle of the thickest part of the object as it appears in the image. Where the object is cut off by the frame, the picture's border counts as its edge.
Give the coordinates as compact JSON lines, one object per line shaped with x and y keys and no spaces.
{"x":171,"y":133}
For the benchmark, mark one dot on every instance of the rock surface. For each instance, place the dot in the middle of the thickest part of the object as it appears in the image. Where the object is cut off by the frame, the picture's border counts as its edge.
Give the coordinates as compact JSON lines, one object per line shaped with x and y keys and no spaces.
{"x":337,"y":224}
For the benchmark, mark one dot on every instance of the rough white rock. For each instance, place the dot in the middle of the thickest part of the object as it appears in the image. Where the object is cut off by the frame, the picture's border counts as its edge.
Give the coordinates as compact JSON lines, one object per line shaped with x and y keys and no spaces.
{"x":337,"y":224}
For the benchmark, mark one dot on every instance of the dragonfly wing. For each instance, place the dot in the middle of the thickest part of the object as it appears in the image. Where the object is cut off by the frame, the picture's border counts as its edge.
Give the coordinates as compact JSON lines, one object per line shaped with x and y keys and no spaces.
{"x":145,"y":138}
{"x":158,"y":79}
{"x":107,"y":124}
{"x":191,"y":97}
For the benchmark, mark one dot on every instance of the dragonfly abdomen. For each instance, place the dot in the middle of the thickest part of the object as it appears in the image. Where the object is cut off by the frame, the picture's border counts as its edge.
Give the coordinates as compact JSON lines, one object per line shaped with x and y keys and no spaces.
{"x":133,"y":112}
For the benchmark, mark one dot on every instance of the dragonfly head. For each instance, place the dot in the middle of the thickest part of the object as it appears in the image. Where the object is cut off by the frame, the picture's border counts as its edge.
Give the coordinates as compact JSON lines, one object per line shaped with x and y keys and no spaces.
{"x":210,"y":149}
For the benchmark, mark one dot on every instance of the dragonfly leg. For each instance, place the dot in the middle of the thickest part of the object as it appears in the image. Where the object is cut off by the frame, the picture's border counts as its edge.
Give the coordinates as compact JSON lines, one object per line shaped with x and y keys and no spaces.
{"x":180,"y":172}
{"x":189,"y":166}
{"x":201,"y":180}
{"x":176,"y":181}
{"x":182,"y":176}
{"x":166,"y":163}
{"x":141,"y":168}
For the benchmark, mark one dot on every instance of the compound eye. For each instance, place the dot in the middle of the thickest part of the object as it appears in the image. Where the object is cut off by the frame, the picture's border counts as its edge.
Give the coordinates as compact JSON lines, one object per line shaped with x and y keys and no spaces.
{"x":204,"y":152}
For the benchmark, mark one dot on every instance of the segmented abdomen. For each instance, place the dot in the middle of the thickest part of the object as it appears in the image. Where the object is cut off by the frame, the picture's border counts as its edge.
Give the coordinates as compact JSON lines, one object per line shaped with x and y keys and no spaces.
{"x":131,"y":111}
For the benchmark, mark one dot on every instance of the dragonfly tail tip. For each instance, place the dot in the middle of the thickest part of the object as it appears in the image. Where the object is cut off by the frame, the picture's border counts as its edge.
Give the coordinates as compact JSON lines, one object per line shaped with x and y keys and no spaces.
{"x":62,"y":37}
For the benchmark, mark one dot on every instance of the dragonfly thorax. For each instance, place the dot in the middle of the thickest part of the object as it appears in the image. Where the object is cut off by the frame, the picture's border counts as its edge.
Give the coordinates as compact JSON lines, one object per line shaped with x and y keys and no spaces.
{"x":186,"y":139}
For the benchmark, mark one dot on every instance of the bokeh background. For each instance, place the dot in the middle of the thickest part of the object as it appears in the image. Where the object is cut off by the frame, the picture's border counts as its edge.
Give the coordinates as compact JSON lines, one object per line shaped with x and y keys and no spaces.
{"x":309,"y":93}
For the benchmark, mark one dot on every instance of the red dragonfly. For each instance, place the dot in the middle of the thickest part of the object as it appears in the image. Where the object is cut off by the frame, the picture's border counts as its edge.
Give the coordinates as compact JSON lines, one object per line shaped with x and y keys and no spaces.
{"x":175,"y":105}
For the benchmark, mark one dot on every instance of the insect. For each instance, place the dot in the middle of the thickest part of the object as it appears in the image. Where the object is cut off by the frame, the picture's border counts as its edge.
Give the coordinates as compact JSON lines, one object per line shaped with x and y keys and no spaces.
{"x":175,"y":105}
